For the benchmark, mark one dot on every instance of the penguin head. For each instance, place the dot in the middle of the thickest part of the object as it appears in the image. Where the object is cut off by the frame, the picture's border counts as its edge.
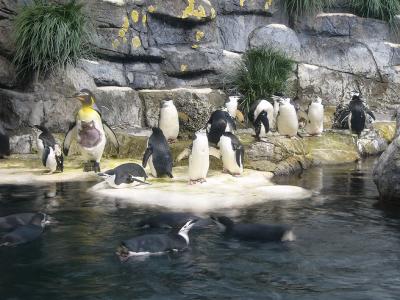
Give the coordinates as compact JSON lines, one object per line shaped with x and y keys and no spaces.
{"x":86,"y":97}
{"x":355,"y":95}
{"x":107,"y":175}
{"x":223,"y":223}
{"x":157,"y":131}
{"x":188,"y":225}
{"x":317,"y":100}
{"x":39,"y":219}
{"x":166,"y":103}
{"x":233,"y":100}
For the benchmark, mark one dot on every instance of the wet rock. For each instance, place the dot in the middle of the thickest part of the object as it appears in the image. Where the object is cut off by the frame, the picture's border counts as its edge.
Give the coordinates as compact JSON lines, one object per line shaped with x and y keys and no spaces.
{"x":8,"y":76}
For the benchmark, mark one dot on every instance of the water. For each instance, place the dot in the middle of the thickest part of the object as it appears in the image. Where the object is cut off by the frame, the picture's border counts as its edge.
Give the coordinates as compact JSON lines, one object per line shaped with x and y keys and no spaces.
{"x":347,"y":248}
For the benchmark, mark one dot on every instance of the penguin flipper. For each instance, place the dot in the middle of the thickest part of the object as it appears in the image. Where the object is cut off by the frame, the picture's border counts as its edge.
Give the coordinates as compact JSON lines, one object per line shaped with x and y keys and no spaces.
{"x":239,"y":155}
{"x":111,"y":135}
{"x":45,"y":154}
{"x":132,"y":179}
{"x":184,"y":154}
{"x":68,"y":138}
{"x":146,"y":156}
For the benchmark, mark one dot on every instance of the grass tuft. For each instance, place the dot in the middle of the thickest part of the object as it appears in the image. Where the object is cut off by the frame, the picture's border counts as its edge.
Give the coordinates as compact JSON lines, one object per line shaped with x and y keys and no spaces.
{"x":49,"y":36}
{"x":384,"y":10}
{"x":297,"y":8}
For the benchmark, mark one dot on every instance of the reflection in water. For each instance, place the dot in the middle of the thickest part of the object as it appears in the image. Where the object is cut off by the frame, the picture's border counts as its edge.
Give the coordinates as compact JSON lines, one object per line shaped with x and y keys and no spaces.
{"x":347,"y":247}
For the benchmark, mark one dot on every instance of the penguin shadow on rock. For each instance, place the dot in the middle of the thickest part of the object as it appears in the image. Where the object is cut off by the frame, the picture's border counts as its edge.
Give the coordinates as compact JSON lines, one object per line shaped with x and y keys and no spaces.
{"x":91,"y":132}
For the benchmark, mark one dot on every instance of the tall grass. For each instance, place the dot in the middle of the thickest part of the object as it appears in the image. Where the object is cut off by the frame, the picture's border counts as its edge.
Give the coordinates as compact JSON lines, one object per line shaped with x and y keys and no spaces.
{"x":261,"y":73}
{"x":49,"y":36}
{"x":384,"y":10}
{"x":296,"y":8}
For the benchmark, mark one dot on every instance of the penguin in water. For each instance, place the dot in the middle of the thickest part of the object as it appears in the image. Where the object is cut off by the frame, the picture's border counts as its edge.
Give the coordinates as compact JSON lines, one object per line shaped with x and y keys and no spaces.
{"x":254,"y":232}
{"x":172,"y":220}
{"x":125,"y":176}
{"x":90,"y":131}
{"x":315,"y":117}
{"x":158,"y":154}
{"x":49,"y":150}
{"x":261,"y":114}
{"x":4,"y":143}
{"x":156,"y":244}
{"x":15,"y":220}
{"x":287,"y":123}
{"x":359,"y":113}
{"x":169,"y":120}
{"x":220,"y":121}
{"x":25,"y":233}
{"x":232,"y":153}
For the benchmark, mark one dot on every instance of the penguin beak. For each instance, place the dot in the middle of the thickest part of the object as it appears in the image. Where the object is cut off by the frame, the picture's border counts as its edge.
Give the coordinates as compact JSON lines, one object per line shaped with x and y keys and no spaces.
{"x":102,"y":175}
{"x":80,"y":96}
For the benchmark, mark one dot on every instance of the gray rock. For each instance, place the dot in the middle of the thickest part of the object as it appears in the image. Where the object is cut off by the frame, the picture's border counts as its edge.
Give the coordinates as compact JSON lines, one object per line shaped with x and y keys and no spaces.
{"x":256,"y":7}
{"x":276,"y":36}
{"x":104,"y":73}
{"x":145,"y":75}
{"x":7,"y":73}
{"x":21,"y":144}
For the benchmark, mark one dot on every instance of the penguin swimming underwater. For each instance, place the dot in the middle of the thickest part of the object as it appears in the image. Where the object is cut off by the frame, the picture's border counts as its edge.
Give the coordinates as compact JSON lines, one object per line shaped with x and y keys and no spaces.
{"x":254,"y":232}
{"x":25,"y":233}
{"x":16,"y":220}
{"x":90,"y":130}
{"x":232,"y":153}
{"x":49,"y":150}
{"x":261,"y":114}
{"x":4,"y":143}
{"x":220,"y":121}
{"x":315,"y":117}
{"x":169,"y":121}
{"x":286,"y":120}
{"x":125,"y":175}
{"x":155,"y":244}
{"x":158,"y":154}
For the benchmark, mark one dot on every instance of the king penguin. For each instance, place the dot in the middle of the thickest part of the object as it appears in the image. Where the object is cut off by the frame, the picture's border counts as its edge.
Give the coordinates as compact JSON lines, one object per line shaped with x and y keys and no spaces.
{"x":315,"y":117}
{"x":287,"y":123}
{"x":90,"y":131}
{"x":220,"y":121}
{"x":4,"y":143}
{"x":169,"y":120}
{"x":261,"y":114}
{"x":125,"y":176}
{"x":49,"y":150}
{"x":158,"y":154}
{"x":232,"y":153}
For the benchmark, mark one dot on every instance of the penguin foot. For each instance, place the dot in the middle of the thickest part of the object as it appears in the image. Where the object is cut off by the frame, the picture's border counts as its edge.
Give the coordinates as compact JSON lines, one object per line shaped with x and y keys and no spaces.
{"x":225,"y":171}
{"x":96,"y":167}
{"x":91,"y":166}
{"x":171,"y":141}
{"x":195,"y":181}
{"x":48,"y":172}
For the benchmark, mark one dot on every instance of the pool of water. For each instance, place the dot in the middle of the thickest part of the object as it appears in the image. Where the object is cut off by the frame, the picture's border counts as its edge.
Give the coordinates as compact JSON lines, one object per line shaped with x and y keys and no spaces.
{"x":347,"y":247}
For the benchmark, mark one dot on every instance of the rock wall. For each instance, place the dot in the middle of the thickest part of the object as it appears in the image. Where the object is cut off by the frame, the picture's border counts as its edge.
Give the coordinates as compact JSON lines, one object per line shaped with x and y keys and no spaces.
{"x":146,"y":48}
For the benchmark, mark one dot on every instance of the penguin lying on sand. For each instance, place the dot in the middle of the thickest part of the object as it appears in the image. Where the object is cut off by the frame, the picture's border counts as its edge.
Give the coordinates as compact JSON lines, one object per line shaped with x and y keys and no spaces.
{"x":90,"y":131}
{"x":219,"y":122}
{"x":4,"y":143}
{"x":15,"y":220}
{"x":286,"y":120}
{"x":158,"y":154}
{"x":169,"y":121}
{"x":49,"y":150}
{"x":254,"y":232}
{"x":156,"y":244}
{"x":315,"y":117}
{"x":26,"y":233}
{"x":125,"y":175}
{"x":261,"y":115}
{"x":232,"y":153}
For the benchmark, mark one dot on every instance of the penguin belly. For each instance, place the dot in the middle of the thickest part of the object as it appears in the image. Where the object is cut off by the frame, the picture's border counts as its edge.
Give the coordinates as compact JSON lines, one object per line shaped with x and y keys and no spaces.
{"x":315,"y":124}
{"x":92,"y":142}
{"x":229,"y":156}
{"x":40,"y":147}
{"x":169,"y":122}
{"x":51,"y":162}
{"x":264,"y":105}
{"x":198,"y":165}
{"x":262,"y":131}
{"x":287,"y":122}
{"x":153,"y":170}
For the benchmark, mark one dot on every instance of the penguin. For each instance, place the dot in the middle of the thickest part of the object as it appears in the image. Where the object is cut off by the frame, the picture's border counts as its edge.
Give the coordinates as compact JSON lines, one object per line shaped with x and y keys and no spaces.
{"x":358,"y":115}
{"x":232,"y":105}
{"x":158,"y":154}
{"x":171,"y":220}
{"x":15,"y":220}
{"x":49,"y":150}
{"x":4,"y":143}
{"x":315,"y":117}
{"x":125,"y":176}
{"x":25,"y":233}
{"x":90,"y":131}
{"x":287,"y":123}
{"x":155,"y":244}
{"x":254,"y":232}
{"x":220,"y":121}
{"x":261,"y":114}
{"x":232,"y":153}
{"x":168,"y":120}
{"x":199,"y":162}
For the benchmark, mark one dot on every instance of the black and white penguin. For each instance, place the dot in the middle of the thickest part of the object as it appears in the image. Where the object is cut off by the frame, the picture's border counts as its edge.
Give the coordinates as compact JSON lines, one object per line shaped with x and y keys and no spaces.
{"x":155,"y":244}
{"x":219,"y":122}
{"x":90,"y":131}
{"x":287,"y":123}
{"x":4,"y":143}
{"x":315,"y":117}
{"x":261,"y":115}
{"x":25,"y":233}
{"x":232,"y":105}
{"x":125,"y":176}
{"x":158,"y":154}
{"x":16,"y":220}
{"x":169,"y":120}
{"x":232,"y":154}
{"x":49,"y":150}
{"x":359,"y":113}
{"x":254,"y":232}
{"x":171,"y":220}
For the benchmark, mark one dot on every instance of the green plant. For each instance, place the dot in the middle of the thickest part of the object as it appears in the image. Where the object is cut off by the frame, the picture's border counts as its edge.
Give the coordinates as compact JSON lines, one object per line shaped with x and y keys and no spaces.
{"x":261,"y":73}
{"x":48,"y":36}
{"x":296,"y":8}
{"x":384,"y":10}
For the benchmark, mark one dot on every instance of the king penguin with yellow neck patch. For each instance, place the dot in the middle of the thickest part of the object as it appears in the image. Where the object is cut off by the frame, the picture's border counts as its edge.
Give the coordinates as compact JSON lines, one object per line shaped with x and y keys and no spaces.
{"x":90,"y":131}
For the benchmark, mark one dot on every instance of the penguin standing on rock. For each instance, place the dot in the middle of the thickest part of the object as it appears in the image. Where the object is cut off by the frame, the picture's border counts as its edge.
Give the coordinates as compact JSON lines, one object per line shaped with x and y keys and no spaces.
{"x":261,"y":114}
{"x":4,"y":143}
{"x":359,"y":114}
{"x":287,"y":123}
{"x":219,"y":122}
{"x":232,"y":153}
{"x":158,"y":154}
{"x":125,"y":176}
{"x":49,"y":150}
{"x":169,"y":120}
{"x":315,"y":117}
{"x":90,"y":131}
